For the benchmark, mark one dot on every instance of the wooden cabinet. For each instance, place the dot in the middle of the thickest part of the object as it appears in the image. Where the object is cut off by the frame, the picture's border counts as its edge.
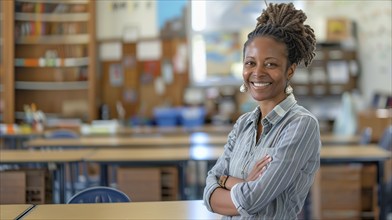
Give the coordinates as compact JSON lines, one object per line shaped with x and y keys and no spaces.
{"x":149,"y":183}
{"x":319,"y":87}
{"x":334,"y":70}
{"x":54,"y":61}
{"x":6,"y":62}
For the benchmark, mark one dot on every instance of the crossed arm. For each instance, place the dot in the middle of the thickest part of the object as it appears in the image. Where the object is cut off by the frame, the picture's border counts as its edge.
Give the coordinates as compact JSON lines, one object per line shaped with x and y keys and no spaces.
{"x":220,"y":199}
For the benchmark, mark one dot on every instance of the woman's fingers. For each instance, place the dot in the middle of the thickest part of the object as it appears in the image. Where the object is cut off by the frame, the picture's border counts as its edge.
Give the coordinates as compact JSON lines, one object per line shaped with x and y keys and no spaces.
{"x":259,"y":168}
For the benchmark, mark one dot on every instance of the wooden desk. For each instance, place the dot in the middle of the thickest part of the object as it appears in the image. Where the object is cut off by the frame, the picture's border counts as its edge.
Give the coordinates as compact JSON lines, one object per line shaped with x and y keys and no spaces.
{"x":332,"y":139}
{"x":8,"y":212}
{"x":177,"y":156}
{"x":59,"y":157}
{"x":16,"y":140}
{"x":142,"y":141}
{"x":186,"y":140}
{"x":133,"y":210}
{"x":53,"y":156}
{"x":175,"y":130}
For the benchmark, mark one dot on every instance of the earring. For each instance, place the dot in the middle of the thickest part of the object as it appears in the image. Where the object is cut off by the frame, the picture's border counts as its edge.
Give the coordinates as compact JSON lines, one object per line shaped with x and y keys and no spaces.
{"x":243,"y":88}
{"x":288,"y":89}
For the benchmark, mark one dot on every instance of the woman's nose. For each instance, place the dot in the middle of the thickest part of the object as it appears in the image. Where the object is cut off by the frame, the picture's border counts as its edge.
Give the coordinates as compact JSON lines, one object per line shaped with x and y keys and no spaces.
{"x":259,"y":70}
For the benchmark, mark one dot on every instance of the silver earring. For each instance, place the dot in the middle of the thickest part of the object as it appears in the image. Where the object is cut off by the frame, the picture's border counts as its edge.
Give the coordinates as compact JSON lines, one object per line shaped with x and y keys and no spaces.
{"x":243,"y":88}
{"x":288,"y":89}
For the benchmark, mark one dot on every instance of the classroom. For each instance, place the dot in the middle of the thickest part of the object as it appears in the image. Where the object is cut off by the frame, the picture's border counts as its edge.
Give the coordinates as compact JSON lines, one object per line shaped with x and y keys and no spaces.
{"x":144,"y":102}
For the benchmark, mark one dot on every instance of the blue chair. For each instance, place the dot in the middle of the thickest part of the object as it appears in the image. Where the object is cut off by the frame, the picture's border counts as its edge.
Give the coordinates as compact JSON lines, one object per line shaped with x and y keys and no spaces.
{"x":99,"y":194}
{"x":366,"y":136}
{"x":74,"y":168}
{"x":385,"y":141}
{"x":61,"y":133}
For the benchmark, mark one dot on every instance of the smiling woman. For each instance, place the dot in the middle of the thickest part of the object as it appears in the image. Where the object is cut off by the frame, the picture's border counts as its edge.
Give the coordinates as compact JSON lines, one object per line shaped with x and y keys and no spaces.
{"x":272,"y":153}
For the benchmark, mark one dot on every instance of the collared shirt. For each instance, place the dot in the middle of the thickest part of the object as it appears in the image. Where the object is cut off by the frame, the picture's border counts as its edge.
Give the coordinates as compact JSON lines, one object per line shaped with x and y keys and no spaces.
{"x":291,"y":137}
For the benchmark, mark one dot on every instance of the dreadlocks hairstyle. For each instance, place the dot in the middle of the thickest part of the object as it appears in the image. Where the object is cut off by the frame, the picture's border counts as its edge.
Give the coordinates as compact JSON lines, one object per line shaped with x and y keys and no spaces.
{"x":285,"y":24}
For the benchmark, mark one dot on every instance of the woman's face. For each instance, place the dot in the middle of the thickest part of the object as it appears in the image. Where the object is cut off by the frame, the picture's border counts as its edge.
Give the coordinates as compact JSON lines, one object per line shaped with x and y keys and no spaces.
{"x":265,"y":69}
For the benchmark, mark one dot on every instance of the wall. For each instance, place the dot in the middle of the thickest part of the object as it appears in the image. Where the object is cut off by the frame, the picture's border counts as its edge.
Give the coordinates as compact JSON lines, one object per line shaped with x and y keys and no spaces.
{"x":373,"y":19}
{"x":113,"y":17}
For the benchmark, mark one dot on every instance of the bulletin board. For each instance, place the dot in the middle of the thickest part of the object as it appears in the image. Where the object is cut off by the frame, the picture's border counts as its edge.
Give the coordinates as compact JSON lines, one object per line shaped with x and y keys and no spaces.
{"x":141,"y":84}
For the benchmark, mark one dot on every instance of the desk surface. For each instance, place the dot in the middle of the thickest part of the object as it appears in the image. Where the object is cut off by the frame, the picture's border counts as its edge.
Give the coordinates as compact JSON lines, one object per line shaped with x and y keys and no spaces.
{"x":142,"y":141}
{"x":328,"y":152}
{"x":333,"y":152}
{"x":133,"y":210}
{"x":159,"y":141}
{"x":361,"y":152}
{"x":135,"y":155}
{"x":27,"y":156}
{"x":8,"y":212}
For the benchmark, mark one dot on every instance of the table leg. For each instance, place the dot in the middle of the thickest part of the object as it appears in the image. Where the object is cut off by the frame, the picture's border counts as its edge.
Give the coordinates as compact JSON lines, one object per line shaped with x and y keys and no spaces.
{"x":104,"y":174}
{"x":380,"y":181}
{"x":61,"y":179}
{"x":182,"y":179}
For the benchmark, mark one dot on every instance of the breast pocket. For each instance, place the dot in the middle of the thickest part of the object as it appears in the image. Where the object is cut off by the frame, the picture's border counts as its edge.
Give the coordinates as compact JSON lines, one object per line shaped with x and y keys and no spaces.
{"x":259,"y":154}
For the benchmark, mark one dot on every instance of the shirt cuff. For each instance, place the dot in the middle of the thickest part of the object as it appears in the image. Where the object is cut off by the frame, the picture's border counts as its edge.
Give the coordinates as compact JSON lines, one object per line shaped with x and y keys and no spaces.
{"x":237,"y":205}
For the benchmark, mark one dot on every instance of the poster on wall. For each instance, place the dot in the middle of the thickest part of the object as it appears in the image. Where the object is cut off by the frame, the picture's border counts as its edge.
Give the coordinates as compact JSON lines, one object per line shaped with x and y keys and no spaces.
{"x":222,"y":51}
{"x":116,"y":75}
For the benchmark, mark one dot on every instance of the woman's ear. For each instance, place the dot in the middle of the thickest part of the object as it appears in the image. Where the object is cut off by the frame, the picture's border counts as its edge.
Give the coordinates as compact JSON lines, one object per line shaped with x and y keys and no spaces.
{"x":291,"y":70}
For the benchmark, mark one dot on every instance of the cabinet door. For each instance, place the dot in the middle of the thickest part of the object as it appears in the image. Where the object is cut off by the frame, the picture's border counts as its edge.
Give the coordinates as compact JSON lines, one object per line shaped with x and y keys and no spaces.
{"x":54,"y":58}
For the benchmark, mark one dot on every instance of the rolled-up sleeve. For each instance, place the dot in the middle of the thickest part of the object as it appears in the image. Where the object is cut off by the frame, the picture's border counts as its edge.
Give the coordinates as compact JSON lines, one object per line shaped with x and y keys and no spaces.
{"x":295,"y":160}
{"x":220,"y":168}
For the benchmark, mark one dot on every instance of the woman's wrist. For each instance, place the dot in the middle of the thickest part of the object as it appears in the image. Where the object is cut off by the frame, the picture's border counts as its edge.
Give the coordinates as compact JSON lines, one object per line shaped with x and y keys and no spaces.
{"x":223,"y":180}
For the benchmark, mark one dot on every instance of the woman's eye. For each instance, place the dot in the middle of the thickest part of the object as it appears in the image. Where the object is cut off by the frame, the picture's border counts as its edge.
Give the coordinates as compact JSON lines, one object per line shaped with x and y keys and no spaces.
{"x":270,"y":65}
{"x":248,"y":63}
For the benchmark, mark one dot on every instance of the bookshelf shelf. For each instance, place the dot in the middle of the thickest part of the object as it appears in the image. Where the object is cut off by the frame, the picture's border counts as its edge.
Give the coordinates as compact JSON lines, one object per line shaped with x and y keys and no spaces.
{"x":54,"y":63}
{"x":54,"y":39}
{"x":22,"y":85}
{"x":50,"y":17}
{"x":56,"y":1}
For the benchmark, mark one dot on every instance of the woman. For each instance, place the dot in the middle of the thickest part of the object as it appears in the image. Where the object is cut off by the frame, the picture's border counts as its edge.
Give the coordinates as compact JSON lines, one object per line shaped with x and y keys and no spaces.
{"x":273,"y":152}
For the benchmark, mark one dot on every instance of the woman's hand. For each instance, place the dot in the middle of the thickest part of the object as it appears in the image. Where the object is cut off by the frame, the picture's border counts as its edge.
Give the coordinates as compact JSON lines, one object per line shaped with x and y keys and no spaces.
{"x":259,"y":168}
{"x":256,"y":172}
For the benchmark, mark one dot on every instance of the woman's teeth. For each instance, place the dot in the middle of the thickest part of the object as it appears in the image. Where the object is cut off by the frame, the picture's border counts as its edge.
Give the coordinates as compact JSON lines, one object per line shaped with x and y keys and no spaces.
{"x":260,"y":84}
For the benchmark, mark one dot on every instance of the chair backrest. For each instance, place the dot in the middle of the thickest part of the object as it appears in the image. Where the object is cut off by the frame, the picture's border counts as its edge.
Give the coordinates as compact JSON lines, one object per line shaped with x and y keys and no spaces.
{"x":61,"y":133}
{"x":386,"y":139}
{"x":366,"y":136}
{"x":99,"y":194}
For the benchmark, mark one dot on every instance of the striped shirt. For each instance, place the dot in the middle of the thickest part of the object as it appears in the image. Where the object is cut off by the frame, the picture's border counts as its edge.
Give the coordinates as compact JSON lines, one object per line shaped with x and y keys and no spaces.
{"x":291,"y":136}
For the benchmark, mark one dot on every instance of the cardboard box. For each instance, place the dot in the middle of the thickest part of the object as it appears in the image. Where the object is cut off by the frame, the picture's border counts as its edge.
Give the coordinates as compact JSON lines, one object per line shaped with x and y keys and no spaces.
{"x":12,"y":187}
{"x":140,"y":184}
{"x":149,"y":183}
{"x":377,"y":119}
{"x":336,"y":192}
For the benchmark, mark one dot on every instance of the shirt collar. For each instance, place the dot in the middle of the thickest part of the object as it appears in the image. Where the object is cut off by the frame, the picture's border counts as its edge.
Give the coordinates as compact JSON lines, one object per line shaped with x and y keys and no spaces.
{"x":278,"y":112}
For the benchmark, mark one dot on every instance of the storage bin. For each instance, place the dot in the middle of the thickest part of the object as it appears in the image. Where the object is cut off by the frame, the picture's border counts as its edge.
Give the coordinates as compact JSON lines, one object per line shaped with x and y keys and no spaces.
{"x":192,"y":116}
{"x":166,"y":117}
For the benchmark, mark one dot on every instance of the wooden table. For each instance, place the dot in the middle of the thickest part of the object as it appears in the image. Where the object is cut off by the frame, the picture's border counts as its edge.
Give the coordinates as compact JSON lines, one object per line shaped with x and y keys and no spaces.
{"x":142,"y":141}
{"x":174,"y":130}
{"x":177,"y":156}
{"x":333,"y":139}
{"x":8,"y":212}
{"x":159,"y":141}
{"x":59,"y":157}
{"x":133,"y":210}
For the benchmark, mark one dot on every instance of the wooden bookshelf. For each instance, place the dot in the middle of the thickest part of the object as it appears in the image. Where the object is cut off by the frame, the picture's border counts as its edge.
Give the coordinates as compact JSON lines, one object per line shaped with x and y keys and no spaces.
{"x":54,"y":62}
{"x":334,"y":70}
{"x":6,"y":62}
